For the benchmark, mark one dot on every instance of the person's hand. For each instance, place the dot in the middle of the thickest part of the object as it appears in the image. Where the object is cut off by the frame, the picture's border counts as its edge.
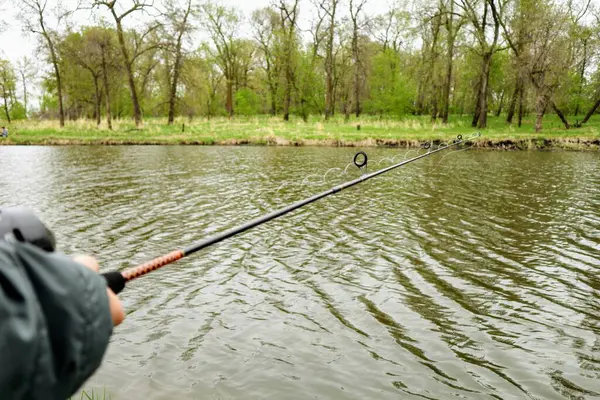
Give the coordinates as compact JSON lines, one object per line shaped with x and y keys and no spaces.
{"x":116,"y":308}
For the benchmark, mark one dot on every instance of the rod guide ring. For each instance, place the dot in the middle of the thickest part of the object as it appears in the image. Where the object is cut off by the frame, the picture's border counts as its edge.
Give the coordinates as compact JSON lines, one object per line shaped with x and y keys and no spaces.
{"x":364,"y":161}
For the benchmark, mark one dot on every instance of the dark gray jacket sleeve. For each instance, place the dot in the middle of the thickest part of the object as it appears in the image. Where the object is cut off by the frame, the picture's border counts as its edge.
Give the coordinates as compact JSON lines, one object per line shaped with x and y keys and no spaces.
{"x":55,"y":323}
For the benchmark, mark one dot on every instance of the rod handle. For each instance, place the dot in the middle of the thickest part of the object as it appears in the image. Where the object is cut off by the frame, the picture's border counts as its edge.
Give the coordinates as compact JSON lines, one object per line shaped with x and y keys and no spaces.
{"x":115,"y":281}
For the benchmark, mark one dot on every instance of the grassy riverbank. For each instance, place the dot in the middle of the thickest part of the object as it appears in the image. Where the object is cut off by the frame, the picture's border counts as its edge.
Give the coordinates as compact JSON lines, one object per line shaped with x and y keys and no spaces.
{"x":264,"y":130}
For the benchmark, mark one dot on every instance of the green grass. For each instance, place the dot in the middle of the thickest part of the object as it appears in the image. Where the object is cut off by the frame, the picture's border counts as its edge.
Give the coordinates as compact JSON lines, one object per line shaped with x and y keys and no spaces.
{"x":263,"y":130}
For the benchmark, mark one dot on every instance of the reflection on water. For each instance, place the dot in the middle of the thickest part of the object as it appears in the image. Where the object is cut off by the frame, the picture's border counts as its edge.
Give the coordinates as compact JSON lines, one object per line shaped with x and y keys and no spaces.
{"x":474,"y":278}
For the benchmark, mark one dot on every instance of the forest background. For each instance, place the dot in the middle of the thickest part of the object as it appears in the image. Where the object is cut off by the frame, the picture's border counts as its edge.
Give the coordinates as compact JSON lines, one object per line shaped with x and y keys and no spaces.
{"x":452,"y":65}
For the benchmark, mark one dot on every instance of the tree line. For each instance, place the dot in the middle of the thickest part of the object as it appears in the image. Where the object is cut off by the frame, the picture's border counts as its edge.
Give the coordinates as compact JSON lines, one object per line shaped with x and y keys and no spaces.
{"x":433,"y":57}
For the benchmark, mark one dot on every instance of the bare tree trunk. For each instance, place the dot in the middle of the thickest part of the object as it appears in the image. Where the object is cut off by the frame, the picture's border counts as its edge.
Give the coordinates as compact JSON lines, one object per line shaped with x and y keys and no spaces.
{"x":61,"y":110}
{"x":540,"y":110}
{"x":173,"y":89}
{"x":521,"y":108}
{"x":303,"y":110}
{"x":32,"y":16}
{"x":591,"y":111}
{"x":229,"y":101}
{"x":500,"y":105}
{"x":434,"y":103}
{"x":289,"y":15}
{"x":581,"y":75}
{"x":265,"y":34}
{"x":97,"y":100}
{"x":423,"y":81}
{"x":329,"y":87}
{"x":335,"y":94}
{"x":289,"y":82}
{"x":356,"y":54}
{"x":273,"y":92}
{"x":485,"y":76}
{"x":434,"y":55}
{"x":560,"y":115}
{"x":288,"y":99}
{"x":106,"y":91}
{"x":6,"y":112}
{"x":357,"y":108}
{"x":178,"y":62}
{"x":24,"y":92}
{"x":54,"y":60}
{"x":12,"y":95}
{"x":346,"y":106}
{"x":329,"y":61}
{"x":477,"y":112}
{"x":448,"y":82}
{"x":515,"y":96}
{"x":451,"y":38}
{"x":420,"y":98}
{"x":137,"y":112}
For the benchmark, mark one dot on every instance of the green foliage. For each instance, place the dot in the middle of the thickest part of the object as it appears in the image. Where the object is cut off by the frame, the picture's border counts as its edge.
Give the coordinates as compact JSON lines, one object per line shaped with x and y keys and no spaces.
{"x":392,"y":92}
{"x":310,"y":93}
{"x":500,"y":78}
{"x":246,"y":102}
{"x":17,"y":111}
{"x":7,"y":87}
{"x":49,"y":103}
{"x":396,"y":65}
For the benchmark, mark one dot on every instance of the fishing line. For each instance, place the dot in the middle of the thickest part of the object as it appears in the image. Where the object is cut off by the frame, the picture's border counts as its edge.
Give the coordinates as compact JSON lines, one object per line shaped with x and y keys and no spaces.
{"x":447,"y":154}
{"x":360,"y":160}
{"x":116,"y":280}
{"x":360,"y":164}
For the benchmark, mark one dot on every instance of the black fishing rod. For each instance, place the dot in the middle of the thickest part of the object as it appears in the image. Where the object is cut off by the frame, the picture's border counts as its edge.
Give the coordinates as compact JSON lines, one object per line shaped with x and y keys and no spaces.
{"x":35,"y":232}
{"x":117,"y":279}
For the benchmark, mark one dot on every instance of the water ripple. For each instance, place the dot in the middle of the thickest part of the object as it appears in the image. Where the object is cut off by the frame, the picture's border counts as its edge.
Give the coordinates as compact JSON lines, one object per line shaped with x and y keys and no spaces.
{"x":473,"y":275}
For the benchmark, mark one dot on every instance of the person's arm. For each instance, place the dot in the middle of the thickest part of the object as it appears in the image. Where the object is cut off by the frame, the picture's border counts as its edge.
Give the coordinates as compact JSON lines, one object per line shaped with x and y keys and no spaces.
{"x":55,"y":323}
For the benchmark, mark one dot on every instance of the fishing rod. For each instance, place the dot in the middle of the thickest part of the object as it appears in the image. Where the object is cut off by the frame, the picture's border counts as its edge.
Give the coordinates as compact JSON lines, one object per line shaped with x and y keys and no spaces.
{"x":116,"y":280}
{"x":18,"y":224}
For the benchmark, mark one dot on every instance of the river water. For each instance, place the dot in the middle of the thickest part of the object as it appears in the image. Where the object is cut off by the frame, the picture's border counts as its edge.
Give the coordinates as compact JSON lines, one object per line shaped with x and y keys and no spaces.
{"x":472,"y":275}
